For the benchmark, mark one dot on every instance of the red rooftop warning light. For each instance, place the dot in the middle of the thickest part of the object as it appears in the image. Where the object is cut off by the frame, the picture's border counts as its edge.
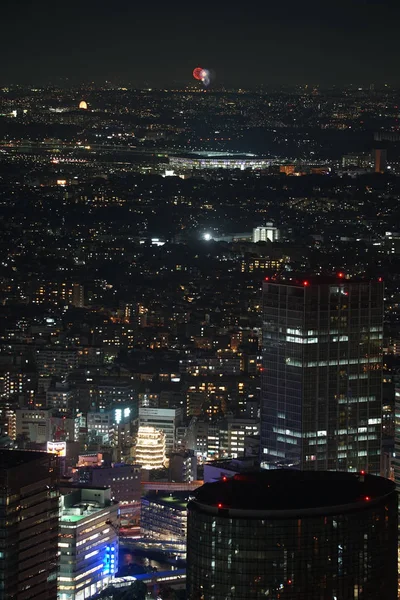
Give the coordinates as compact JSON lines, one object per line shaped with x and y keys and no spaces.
{"x":306,"y":283}
{"x":219,"y":505}
{"x":367,"y":498}
{"x":340,"y":274}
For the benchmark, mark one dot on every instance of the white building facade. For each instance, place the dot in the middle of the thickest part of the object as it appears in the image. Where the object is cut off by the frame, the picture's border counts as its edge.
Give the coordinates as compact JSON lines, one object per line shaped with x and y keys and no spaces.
{"x":88,"y":542}
{"x":265,"y":233}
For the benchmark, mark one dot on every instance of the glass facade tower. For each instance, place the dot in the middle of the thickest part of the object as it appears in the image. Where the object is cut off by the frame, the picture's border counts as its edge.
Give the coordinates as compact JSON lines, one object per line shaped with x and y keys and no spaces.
{"x":289,"y":534}
{"x":322,"y":374}
{"x":28,"y":525}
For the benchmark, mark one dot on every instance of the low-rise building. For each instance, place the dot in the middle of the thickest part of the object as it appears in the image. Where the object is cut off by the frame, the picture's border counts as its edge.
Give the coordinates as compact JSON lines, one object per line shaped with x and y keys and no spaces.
{"x":164,"y":517}
{"x":45,"y":425}
{"x":124,"y":480}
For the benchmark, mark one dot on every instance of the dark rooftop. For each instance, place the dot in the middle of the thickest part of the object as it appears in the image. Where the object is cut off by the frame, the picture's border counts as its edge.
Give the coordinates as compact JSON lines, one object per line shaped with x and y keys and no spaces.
{"x":291,"y":490}
{"x":178,"y":499}
{"x":305,"y":279}
{"x":15,"y":458}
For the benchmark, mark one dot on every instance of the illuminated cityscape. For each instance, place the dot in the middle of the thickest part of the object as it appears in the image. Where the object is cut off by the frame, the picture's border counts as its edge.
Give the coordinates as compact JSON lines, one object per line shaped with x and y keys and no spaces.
{"x":200,"y":301}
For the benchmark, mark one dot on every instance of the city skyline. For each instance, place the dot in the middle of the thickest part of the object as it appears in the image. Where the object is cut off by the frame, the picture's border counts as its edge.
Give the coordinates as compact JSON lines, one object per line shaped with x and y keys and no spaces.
{"x":200,"y":288}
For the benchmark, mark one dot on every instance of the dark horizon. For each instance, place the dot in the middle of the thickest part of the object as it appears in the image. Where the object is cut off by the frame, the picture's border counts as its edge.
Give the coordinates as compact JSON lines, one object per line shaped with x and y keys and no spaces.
{"x":155,"y":46}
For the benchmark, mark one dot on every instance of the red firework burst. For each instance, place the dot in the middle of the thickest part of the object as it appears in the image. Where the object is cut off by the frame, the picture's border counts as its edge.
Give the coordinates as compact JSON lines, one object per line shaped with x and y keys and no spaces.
{"x":197,"y":73}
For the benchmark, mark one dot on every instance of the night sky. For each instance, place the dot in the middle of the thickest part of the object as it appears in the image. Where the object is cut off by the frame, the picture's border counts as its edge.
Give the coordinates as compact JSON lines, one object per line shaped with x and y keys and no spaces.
{"x":158,"y":43}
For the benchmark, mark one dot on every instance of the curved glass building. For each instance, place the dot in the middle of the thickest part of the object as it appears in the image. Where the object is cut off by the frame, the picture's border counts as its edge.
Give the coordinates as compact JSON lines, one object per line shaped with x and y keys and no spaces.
{"x":293,"y":535}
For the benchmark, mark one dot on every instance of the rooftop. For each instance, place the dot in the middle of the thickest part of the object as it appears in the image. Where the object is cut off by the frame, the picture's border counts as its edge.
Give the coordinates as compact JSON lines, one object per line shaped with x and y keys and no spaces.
{"x":238,"y":465}
{"x":305,"y":279}
{"x":15,"y":458}
{"x":73,"y":518}
{"x":291,"y":490}
{"x":178,"y":500}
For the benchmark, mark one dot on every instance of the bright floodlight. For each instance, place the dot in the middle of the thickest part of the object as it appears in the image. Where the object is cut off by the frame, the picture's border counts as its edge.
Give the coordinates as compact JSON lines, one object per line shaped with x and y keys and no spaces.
{"x":207,"y":236}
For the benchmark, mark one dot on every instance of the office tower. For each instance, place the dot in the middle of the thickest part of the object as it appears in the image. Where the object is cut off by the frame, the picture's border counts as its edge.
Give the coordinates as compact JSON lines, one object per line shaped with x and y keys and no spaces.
{"x":293,"y":534}
{"x":29,"y":525}
{"x":165,"y":419}
{"x":322,"y":381}
{"x":88,"y":541}
{"x":265,"y":233}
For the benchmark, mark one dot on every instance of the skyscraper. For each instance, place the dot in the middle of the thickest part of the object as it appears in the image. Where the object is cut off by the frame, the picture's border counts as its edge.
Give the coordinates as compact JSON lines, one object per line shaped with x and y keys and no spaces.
{"x":322,"y":381}
{"x":28,"y":526}
{"x":294,"y":535}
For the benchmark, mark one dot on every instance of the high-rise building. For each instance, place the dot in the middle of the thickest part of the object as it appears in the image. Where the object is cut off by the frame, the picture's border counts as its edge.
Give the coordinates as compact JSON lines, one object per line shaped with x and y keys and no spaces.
{"x":28,"y":525}
{"x":88,"y":541}
{"x":165,"y":419}
{"x":322,"y":381}
{"x":100,"y":424}
{"x":293,"y":534}
{"x":237,"y":430}
{"x":60,"y":396}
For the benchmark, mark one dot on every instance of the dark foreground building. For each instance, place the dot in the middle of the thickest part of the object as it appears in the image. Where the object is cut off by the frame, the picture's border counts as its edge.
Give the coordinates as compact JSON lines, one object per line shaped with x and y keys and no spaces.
{"x":28,"y":525}
{"x":293,"y":535}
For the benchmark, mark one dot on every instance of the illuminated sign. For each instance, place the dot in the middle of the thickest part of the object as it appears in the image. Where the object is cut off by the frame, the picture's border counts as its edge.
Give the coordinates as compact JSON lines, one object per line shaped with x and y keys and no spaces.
{"x":119,"y":412}
{"x":59,"y":448}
